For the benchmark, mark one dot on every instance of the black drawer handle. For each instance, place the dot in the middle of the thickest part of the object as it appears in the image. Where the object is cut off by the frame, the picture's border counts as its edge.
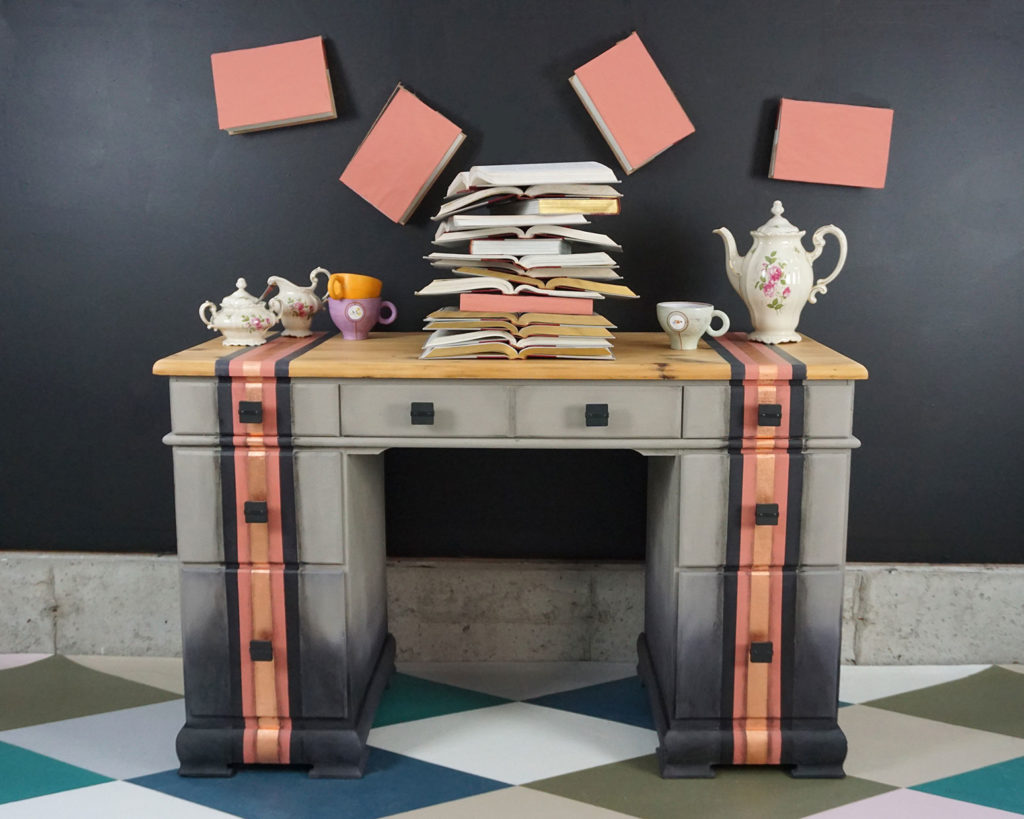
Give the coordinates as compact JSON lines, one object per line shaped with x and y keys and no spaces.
{"x":766,"y":514}
{"x":421,"y":413}
{"x":769,"y":415}
{"x":261,"y":651}
{"x":761,"y":652}
{"x":255,"y":511}
{"x":250,"y":412}
{"x":596,"y":415}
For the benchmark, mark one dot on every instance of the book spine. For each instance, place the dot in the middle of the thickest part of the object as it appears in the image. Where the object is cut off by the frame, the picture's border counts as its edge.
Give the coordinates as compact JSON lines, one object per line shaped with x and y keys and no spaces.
{"x":526,"y":304}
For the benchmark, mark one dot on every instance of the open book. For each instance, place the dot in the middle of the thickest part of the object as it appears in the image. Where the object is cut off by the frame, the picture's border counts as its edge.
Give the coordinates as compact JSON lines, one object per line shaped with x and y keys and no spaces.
{"x":489,"y":196}
{"x":489,"y":176}
{"x":452,"y":237}
{"x":501,"y":344}
{"x":510,"y":283}
{"x":527,"y":262}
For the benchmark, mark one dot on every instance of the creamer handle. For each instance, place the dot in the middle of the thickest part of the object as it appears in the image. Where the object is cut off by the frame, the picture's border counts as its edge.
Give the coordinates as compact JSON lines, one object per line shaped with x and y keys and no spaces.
{"x":818,"y":239}
{"x":313,"y":280}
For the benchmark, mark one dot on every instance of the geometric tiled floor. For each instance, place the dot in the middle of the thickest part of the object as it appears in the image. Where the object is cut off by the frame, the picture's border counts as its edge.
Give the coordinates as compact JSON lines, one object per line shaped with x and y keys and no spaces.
{"x":94,"y":737}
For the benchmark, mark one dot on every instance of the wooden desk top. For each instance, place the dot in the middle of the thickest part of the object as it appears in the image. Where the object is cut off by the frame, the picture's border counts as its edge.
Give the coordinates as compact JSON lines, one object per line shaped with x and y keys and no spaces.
{"x":638,"y":356}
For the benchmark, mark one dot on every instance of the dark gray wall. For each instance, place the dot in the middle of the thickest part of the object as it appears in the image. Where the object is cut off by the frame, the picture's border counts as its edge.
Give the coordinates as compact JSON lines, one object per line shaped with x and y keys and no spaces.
{"x":124,"y":207}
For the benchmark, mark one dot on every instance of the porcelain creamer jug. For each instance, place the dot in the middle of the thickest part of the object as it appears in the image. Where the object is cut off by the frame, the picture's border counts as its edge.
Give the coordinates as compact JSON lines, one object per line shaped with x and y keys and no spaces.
{"x":297,"y":305}
{"x":243,"y":319}
{"x":775,"y":279}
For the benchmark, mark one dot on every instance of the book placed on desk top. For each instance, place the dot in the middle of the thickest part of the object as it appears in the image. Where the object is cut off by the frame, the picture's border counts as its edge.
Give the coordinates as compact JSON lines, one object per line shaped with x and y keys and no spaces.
{"x":272,"y":86}
{"x":831,"y":144}
{"x":405,"y":150}
{"x":631,"y":103}
{"x":544,"y":173}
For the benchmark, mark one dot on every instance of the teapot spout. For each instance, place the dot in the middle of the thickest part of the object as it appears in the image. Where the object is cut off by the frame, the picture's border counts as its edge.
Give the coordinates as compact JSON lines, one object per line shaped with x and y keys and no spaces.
{"x":732,"y":258}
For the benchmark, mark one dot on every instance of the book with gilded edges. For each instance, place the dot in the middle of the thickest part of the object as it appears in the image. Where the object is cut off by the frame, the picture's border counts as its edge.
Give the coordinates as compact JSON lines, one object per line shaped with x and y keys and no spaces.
{"x":405,"y":150}
{"x":631,"y":103}
{"x":272,"y":86}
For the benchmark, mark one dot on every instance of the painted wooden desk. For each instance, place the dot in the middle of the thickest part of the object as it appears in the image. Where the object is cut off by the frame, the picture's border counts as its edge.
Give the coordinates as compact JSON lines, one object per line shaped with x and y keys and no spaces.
{"x":279,"y":491}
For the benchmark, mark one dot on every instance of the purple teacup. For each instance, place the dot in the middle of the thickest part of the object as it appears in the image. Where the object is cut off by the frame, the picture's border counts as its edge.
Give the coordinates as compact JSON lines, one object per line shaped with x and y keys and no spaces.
{"x":356,"y":317}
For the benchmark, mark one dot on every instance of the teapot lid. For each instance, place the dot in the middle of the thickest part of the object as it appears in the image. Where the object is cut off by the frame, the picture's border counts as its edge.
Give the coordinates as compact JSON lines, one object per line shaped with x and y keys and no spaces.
{"x":241,"y":297}
{"x":778,"y":225}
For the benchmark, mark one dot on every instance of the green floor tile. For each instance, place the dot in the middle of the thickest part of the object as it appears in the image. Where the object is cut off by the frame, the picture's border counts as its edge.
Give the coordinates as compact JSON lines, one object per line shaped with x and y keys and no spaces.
{"x":24,"y":774}
{"x":995,"y":786}
{"x":408,"y":698}
{"x":56,"y":688}
{"x":991,"y":700}
{"x":634,"y":787}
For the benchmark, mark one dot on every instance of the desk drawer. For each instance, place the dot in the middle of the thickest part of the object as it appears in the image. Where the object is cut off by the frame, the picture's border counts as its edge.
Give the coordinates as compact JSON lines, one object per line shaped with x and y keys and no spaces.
{"x":598,"y":411}
{"x":426,"y":409}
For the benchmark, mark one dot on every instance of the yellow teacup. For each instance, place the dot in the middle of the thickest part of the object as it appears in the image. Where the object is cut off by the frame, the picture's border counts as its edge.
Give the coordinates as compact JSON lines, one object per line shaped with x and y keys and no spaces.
{"x":353,"y":286}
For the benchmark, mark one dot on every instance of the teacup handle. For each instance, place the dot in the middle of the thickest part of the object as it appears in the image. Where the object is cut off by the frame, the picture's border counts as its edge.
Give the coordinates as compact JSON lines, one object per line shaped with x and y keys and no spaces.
{"x":725,"y":323}
{"x":818,"y":239}
{"x":391,"y":310}
{"x":336,"y":287}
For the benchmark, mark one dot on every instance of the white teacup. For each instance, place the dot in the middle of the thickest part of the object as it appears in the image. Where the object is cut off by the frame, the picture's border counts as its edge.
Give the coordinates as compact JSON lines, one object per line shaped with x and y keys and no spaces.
{"x":686,"y":321}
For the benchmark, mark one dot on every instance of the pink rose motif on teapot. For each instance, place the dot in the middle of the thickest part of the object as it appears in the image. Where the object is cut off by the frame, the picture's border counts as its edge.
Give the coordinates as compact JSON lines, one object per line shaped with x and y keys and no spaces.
{"x":772,"y":281}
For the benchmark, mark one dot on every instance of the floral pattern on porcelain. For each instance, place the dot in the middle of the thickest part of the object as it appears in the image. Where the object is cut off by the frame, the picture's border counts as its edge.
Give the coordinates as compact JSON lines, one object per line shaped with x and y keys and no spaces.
{"x":772,"y":281}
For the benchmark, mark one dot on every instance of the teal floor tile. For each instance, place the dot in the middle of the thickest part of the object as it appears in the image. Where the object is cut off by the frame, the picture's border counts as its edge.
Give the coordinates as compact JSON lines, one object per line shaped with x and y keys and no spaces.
{"x":408,"y":698}
{"x":24,"y":774}
{"x":995,"y":786}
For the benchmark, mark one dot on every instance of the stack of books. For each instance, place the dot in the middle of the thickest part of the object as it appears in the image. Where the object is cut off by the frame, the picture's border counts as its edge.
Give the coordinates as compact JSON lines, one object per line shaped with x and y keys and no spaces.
{"x":526,"y":273}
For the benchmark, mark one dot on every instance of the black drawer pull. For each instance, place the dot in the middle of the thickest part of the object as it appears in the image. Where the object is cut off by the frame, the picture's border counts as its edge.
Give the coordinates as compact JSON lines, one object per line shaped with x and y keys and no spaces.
{"x":769,"y":415}
{"x":761,"y":652}
{"x":766,"y":514}
{"x":261,"y":651}
{"x":250,"y":412}
{"x":596,"y":415}
{"x":421,"y":413}
{"x":255,"y":511}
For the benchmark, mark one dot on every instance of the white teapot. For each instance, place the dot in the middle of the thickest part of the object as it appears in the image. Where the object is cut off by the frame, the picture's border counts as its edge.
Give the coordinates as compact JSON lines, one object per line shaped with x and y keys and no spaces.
{"x":243,"y":319}
{"x":295,"y":304}
{"x":775,"y":279}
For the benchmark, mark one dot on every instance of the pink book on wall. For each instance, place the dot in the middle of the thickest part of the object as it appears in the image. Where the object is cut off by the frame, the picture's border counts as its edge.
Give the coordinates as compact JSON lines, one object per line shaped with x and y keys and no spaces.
{"x":272,"y":86}
{"x":400,"y":158}
{"x":526,"y":304}
{"x":831,"y":144}
{"x":631,"y":103}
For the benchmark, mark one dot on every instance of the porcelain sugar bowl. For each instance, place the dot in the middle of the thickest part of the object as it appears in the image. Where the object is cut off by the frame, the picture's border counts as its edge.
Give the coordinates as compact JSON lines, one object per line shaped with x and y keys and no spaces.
{"x":243,"y":319}
{"x":775,"y":279}
{"x":297,"y":305}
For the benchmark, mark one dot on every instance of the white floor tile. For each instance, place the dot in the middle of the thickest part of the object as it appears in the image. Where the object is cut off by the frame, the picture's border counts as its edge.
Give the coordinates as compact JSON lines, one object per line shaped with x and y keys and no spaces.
{"x":512,"y":803}
{"x":516,"y":742}
{"x":119,"y":744}
{"x":861,"y":683}
{"x":107,"y":801}
{"x":520,"y":681}
{"x":15,"y":660}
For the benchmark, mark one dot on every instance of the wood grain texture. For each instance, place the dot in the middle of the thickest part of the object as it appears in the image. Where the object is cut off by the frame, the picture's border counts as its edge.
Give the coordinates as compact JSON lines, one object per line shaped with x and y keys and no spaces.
{"x":638,"y":356}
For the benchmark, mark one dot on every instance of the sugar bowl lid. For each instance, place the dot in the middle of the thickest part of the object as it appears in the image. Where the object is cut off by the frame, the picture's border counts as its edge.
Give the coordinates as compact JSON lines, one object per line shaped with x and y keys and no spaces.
{"x":778,"y":225}
{"x":241,"y":297}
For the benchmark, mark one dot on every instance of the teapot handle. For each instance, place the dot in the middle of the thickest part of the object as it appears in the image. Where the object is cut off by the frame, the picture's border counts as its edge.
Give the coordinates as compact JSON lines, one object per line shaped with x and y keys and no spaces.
{"x":314,"y":280}
{"x":208,"y":321}
{"x":818,"y":239}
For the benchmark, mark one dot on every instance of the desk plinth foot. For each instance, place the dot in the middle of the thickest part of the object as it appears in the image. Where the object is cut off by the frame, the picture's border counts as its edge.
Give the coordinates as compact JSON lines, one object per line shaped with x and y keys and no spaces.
{"x":815,"y":748}
{"x":333,"y":748}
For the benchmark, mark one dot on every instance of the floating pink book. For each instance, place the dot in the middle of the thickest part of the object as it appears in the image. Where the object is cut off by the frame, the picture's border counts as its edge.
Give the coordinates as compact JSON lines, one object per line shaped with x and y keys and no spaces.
{"x":400,"y":158}
{"x":272,"y":86}
{"x":631,"y":103}
{"x":526,"y":304}
{"x":831,"y":144}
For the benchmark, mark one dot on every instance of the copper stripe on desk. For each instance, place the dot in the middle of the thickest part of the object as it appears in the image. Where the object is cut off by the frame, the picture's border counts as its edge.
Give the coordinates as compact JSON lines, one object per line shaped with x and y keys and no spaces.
{"x":264,"y":607}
